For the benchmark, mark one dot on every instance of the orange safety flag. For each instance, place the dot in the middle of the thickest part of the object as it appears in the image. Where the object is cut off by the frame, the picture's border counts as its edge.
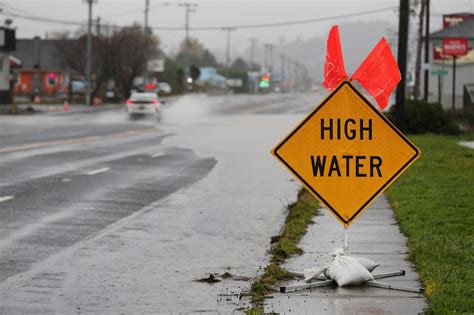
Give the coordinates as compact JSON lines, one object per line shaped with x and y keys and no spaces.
{"x":379,"y":73}
{"x":334,"y":71}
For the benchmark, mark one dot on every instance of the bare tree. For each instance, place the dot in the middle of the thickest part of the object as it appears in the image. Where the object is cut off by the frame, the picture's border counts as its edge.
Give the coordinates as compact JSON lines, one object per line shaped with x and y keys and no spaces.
{"x":130,"y":55}
{"x":118,"y":54}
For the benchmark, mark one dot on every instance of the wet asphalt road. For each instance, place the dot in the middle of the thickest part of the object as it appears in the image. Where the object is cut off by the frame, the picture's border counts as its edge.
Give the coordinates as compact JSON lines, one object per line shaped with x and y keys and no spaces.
{"x":64,"y":178}
{"x":67,"y":178}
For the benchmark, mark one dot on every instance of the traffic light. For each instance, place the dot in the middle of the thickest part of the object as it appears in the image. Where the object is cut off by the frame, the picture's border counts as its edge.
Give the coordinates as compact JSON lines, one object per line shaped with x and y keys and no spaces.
{"x":52,"y":78}
{"x":265,"y":81}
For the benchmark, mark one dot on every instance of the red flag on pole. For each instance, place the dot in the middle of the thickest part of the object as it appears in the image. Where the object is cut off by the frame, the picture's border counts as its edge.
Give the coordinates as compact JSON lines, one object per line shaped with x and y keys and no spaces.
{"x":334,"y":71}
{"x":379,"y":73}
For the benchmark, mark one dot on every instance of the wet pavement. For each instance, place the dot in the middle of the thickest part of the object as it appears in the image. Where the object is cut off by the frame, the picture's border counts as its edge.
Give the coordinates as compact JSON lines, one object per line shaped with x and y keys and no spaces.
{"x":108,"y":215}
{"x":374,"y":235}
{"x":103,"y":215}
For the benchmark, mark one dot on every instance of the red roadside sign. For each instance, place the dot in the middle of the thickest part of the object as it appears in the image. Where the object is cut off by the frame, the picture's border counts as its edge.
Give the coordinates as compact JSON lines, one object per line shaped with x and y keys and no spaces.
{"x":450,"y":20}
{"x":455,"y":46}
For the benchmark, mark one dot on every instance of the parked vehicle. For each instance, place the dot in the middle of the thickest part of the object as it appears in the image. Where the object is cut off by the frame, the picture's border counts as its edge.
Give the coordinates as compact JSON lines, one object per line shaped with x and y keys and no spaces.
{"x":141,"y":104}
{"x":164,"y":88}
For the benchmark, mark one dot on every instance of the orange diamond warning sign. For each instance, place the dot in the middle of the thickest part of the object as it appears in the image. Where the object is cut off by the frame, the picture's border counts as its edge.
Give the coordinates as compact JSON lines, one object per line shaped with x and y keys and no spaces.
{"x":346,"y":153}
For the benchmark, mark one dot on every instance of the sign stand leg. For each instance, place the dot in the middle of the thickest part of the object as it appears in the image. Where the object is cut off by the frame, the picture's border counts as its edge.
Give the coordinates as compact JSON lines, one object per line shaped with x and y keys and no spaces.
{"x":375,"y":283}
{"x":328,"y":282}
{"x":346,"y":240}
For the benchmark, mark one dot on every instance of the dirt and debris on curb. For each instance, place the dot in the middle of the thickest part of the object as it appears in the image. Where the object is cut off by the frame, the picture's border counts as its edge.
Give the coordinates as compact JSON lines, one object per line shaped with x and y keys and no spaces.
{"x":214,"y":277}
{"x":210,"y":279}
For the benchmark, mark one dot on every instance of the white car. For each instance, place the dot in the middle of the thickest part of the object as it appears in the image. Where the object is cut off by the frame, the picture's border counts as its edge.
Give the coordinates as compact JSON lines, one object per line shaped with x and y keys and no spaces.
{"x":140,"y":104}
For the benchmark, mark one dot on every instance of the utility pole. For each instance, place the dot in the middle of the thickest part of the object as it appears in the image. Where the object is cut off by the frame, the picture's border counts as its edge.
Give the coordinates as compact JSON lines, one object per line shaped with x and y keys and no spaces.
{"x":145,"y":40}
{"x":97,"y":27}
{"x":288,"y":73}
{"x":295,"y":69}
{"x":89,"y":53}
{"x":416,"y":91}
{"x":227,"y":54}
{"x":453,"y":100}
{"x":402,"y":61}
{"x":146,"y":34}
{"x":253,"y":41}
{"x":269,"y":63}
{"x":270,"y":48}
{"x":427,"y":47}
{"x":283,"y":61}
{"x":189,"y":8}
{"x":265,"y":56}
{"x":306,"y":79}
{"x":303,"y":76}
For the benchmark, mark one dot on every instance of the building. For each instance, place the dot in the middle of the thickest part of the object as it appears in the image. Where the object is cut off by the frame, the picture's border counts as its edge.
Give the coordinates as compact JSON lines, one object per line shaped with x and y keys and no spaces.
{"x":209,"y":76}
{"x":441,"y":67}
{"x":41,"y":72}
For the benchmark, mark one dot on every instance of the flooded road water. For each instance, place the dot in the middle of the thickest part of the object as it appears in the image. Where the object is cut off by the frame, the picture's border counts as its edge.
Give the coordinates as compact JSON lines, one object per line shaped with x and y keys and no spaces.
{"x":110,"y":215}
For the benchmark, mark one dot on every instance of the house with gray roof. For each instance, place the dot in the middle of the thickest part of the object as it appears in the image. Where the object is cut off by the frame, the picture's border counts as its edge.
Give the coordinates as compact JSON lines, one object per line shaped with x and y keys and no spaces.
{"x":441,"y":67}
{"x":42,"y":72}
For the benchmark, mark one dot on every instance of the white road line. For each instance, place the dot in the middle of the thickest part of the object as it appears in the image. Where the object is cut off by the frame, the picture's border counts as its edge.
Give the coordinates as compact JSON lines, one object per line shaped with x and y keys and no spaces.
{"x":97,"y":171}
{"x":6,"y":198}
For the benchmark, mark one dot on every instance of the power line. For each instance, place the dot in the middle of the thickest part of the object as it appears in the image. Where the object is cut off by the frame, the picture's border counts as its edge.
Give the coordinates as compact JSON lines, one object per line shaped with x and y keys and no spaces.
{"x":9,"y":7}
{"x":209,"y":28}
{"x":42,"y":19}
{"x":297,"y":22}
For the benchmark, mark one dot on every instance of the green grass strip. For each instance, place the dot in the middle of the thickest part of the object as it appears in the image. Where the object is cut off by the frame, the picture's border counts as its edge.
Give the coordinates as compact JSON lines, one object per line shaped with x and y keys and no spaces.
{"x":300,"y":215}
{"x":434,"y":205}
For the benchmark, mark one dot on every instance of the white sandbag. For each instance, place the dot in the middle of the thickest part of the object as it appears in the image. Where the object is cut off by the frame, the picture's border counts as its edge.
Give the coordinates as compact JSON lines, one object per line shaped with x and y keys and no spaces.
{"x":346,"y":270}
{"x":314,"y":273}
{"x":368,"y":264}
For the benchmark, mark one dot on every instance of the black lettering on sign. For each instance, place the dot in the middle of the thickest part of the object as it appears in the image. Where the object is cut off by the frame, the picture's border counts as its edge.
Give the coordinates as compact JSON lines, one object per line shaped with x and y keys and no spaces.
{"x":350,"y":133}
{"x":334,"y":167}
{"x":347,"y":158}
{"x":318,"y":165}
{"x":368,"y":129}
{"x":358,"y":166}
{"x":349,"y":129}
{"x":324,"y":128}
{"x":375,"y":163}
{"x":339,"y":128}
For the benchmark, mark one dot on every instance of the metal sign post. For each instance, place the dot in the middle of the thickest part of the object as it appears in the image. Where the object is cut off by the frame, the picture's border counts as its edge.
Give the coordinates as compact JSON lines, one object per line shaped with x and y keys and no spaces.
{"x":455,"y":47}
{"x":454,"y":83}
{"x":346,"y":241}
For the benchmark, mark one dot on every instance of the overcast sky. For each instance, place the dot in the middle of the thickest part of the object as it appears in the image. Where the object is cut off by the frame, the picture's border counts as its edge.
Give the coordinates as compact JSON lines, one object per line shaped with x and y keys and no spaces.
{"x":217,"y":13}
